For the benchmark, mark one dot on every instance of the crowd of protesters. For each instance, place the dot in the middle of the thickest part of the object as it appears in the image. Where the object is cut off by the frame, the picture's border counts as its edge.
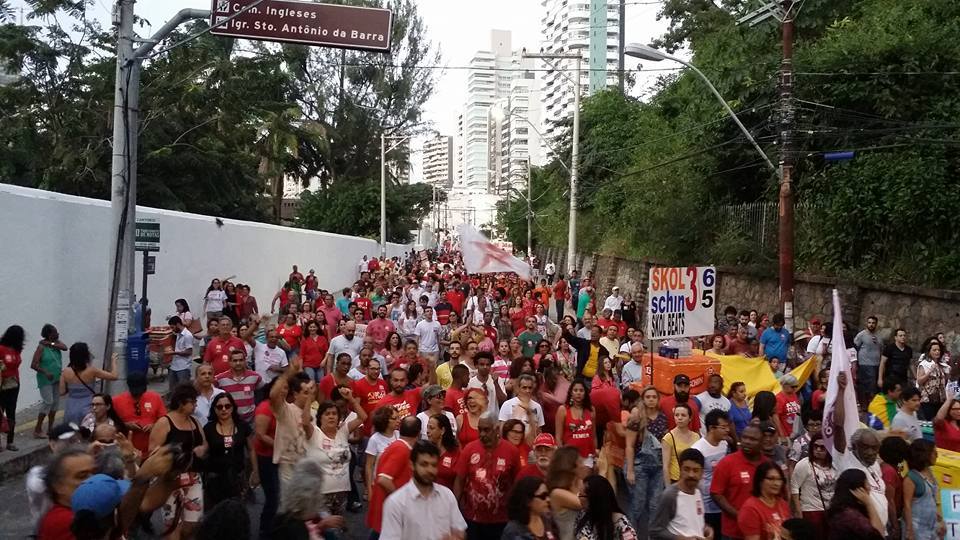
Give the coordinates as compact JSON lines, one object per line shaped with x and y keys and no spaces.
{"x":446,"y":405}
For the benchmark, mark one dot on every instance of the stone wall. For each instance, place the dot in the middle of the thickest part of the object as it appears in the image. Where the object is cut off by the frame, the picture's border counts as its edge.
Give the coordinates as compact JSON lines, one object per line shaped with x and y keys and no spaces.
{"x":922,"y":312}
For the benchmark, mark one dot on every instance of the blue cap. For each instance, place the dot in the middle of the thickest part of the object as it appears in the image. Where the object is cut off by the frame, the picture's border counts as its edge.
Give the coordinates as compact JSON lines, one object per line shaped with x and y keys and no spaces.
{"x":100,"y":494}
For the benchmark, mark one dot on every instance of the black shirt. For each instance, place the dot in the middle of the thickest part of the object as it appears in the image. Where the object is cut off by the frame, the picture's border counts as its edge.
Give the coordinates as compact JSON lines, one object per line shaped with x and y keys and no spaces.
{"x":898,"y":361}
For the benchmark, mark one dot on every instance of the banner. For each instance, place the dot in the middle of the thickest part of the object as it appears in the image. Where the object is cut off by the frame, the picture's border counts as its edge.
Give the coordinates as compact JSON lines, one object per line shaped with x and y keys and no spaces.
{"x":755,"y":373}
{"x":840,"y":363}
{"x":680,"y":302}
{"x":481,"y":256}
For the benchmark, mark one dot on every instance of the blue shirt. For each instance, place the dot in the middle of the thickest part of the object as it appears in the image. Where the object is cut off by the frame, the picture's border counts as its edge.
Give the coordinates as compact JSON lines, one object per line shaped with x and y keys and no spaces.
{"x":775,"y":343}
{"x":344,"y":305}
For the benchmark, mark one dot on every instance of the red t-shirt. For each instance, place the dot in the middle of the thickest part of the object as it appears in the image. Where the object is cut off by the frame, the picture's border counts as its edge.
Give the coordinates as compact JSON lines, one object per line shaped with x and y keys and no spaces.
{"x":11,"y":363}
{"x":605,"y":399}
{"x":817,"y":399}
{"x":366,"y":305}
{"x":150,"y":407}
{"x":406,"y":403}
{"x":531,"y":469}
{"x":454,"y":402}
{"x":370,"y":395}
{"x":667,"y":403}
{"x":447,"y":468}
{"x":733,"y":479}
{"x":756,"y":518}
{"x":55,"y":524}
{"x":379,"y":329}
{"x":218,"y":350}
{"x":394,"y":463}
{"x":260,"y":447}
{"x":560,"y":289}
{"x":946,"y":434}
{"x":788,"y":408}
{"x":290,"y":334}
{"x":891,"y":477}
{"x":456,"y":298}
{"x":332,"y":315}
{"x":313,"y":351}
{"x":488,"y":477}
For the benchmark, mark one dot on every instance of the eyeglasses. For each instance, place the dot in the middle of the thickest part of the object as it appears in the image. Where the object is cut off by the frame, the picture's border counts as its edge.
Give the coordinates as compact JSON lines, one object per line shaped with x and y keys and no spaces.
{"x":224,"y":407}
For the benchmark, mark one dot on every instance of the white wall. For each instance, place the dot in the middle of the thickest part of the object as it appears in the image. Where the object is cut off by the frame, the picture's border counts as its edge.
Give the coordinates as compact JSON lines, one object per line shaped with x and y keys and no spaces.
{"x":55,"y":266}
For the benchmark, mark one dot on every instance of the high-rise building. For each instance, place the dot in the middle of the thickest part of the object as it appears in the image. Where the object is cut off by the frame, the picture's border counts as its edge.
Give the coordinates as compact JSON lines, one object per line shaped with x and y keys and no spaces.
{"x":587,"y":27}
{"x":438,"y":162}
{"x":514,"y":136}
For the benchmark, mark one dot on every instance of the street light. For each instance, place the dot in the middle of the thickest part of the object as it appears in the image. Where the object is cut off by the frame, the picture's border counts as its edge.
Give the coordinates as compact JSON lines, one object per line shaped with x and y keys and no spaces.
{"x":645,"y":52}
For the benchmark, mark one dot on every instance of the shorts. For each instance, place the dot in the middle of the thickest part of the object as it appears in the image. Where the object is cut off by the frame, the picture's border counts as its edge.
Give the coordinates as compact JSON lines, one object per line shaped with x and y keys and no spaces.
{"x":50,"y":394}
{"x":187,"y":500}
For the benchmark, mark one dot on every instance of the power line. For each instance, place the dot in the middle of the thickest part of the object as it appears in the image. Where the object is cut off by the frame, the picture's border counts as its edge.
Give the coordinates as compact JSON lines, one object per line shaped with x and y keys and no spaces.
{"x":873,"y":73}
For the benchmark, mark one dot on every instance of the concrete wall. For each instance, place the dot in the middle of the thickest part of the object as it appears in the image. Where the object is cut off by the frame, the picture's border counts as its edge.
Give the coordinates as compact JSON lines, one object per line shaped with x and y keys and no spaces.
{"x":56,"y":256}
{"x":922,"y":312}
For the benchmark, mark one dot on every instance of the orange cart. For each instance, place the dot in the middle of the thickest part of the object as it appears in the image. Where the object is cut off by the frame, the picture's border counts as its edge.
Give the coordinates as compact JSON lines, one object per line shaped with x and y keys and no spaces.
{"x":660,"y":371}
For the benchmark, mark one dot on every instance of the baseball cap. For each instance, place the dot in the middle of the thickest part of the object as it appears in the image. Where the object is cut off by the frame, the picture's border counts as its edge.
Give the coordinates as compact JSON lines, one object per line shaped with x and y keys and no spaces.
{"x":681,"y":379}
{"x":432,"y":391}
{"x":789,"y":380}
{"x":100,"y":494}
{"x":545,"y":439}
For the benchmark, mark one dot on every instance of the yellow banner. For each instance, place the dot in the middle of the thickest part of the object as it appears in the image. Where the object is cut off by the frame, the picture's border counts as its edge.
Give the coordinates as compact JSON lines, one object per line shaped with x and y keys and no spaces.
{"x":756,"y":373}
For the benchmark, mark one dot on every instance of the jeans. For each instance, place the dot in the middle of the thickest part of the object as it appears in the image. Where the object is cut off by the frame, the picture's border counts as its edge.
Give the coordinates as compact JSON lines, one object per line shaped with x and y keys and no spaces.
{"x":315,"y":374}
{"x":647,"y":488}
{"x":50,"y":394}
{"x":177,"y":377}
{"x":8,"y":403}
{"x":559,"y":303}
{"x":270,"y":482}
{"x":866,"y":382}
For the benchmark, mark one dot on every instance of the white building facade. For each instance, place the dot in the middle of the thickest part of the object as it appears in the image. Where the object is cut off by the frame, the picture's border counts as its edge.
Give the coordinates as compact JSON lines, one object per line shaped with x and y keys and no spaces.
{"x":438,"y":162}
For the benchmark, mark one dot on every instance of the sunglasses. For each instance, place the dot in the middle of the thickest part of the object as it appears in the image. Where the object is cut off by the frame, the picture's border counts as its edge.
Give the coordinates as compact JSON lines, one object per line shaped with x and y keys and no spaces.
{"x":225,"y":407}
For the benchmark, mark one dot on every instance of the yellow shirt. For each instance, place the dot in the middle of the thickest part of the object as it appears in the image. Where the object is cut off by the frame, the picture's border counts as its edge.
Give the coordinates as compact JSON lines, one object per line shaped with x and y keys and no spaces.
{"x":676,"y":447}
{"x":590,"y":367}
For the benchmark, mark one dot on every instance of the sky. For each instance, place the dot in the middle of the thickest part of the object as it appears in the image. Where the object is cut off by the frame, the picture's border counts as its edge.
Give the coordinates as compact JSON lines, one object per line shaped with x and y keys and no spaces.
{"x":459,"y":28}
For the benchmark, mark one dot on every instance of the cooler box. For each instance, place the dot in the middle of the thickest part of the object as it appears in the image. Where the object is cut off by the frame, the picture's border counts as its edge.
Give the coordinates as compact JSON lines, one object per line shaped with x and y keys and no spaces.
{"x":137,"y":359}
{"x":663,"y":370}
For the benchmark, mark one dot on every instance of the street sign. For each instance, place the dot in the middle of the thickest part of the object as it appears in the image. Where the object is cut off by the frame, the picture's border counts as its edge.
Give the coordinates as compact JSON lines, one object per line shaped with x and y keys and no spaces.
{"x":328,"y":25}
{"x":147,"y":236}
{"x":151,"y":265}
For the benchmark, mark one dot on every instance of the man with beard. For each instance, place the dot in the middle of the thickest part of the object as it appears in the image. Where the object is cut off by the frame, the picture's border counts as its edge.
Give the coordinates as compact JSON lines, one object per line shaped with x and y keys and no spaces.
{"x":681,"y":394}
{"x":345,"y":342}
{"x":680,"y":510}
{"x":406,"y":402}
{"x":733,"y":479}
{"x":543,"y":448}
{"x":421,"y":509}
{"x":486,"y":471}
{"x":379,"y":328}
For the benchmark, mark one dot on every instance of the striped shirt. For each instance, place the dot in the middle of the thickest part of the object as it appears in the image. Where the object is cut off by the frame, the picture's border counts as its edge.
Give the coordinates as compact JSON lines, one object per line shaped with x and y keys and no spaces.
{"x":242,"y":390}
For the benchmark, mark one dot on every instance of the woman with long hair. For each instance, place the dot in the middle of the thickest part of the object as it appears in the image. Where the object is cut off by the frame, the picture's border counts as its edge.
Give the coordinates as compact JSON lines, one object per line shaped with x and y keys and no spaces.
{"x":529,"y":512}
{"x":852,"y":514}
{"x":921,"y":518}
{"x":307,"y":313}
{"x":677,"y":440}
{"x":393,"y":349}
{"x":520,"y":366}
{"x":225,"y":469}
{"x":602,"y":518}
{"x":606,"y":376}
{"x":290,"y":332}
{"x":407,"y":323}
{"x":740,"y":414}
{"x":331,"y":446}
{"x":643,"y":457}
{"x":313,"y":350}
{"x":932,"y":374}
{"x":718,"y":346}
{"x":453,"y":322}
{"x":440,"y":432}
{"x":503,"y":325}
{"x":517,"y":314}
{"x":469,"y":421}
{"x":946,"y":425}
{"x":574,"y":423}
{"x":230,"y":304}
{"x":184,"y":507}
{"x":214,"y":300}
{"x":764,"y":406}
{"x":102,"y":412}
{"x":543,"y":350}
{"x":762,"y":516}
{"x":812,"y":484}
{"x":515,"y":432}
{"x":78,"y":378}
{"x":566,"y":358}
{"x":565,"y":484}
{"x":551,"y":394}
{"x":11,"y":346}
{"x":385,"y":421}
{"x":48,"y":363}
{"x":183,"y":311}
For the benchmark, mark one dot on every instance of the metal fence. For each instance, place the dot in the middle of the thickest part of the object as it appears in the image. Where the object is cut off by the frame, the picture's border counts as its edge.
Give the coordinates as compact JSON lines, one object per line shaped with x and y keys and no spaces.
{"x":759,"y":220}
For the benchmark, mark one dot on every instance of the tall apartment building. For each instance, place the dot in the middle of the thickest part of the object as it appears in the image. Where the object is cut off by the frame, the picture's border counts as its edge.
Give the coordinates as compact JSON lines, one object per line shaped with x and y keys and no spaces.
{"x":438,"y":162}
{"x":587,"y":27}
{"x":514,"y":137}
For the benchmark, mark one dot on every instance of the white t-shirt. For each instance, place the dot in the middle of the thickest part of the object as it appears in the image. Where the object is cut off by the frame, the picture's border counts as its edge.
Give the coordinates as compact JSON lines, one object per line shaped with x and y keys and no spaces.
{"x":908,"y":423}
{"x":264,"y":358}
{"x":216,"y":300}
{"x":811,"y":488}
{"x":707,"y":404}
{"x":425,"y":417}
{"x":184,"y":342}
{"x":689,"y":519}
{"x":711,"y":456}
{"x":513,"y":409}
{"x":340,"y":344}
{"x":333,"y":454}
{"x":427,"y":333}
{"x":378,"y":443}
{"x":875,"y":483}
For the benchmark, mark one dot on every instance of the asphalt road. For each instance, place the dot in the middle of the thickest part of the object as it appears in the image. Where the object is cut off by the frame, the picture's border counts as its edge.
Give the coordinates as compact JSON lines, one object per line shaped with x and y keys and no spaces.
{"x":16,"y":523}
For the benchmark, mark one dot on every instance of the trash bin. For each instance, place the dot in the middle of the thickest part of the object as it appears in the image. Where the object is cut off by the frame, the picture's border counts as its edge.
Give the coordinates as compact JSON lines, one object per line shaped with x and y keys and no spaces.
{"x":138,"y":361}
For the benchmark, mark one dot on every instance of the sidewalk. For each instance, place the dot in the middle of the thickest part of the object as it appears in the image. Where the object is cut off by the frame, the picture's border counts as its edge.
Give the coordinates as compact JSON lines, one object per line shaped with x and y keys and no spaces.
{"x":36,"y":451}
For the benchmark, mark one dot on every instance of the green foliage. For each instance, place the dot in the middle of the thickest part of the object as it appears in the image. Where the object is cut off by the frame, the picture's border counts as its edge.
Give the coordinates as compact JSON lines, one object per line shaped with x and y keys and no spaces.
{"x":874,"y":76}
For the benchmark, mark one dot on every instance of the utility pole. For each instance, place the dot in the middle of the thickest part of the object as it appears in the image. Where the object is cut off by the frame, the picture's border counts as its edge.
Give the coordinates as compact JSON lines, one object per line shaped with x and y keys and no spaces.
{"x":623,"y":45}
{"x":383,"y":197}
{"x":529,"y":212}
{"x":787,"y":118}
{"x":575,"y":151}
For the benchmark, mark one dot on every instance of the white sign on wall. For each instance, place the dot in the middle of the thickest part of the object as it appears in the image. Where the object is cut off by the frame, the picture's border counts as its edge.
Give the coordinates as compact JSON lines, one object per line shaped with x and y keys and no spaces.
{"x":681,"y":302}
{"x":950,"y":505}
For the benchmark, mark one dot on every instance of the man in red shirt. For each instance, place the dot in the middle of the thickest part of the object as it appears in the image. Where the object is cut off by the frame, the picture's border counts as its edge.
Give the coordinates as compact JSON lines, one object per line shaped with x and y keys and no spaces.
{"x":489,"y":330}
{"x":456,"y":298}
{"x":393,"y":470}
{"x":681,"y":394}
{"x":364,"y":303}
{"x":543,"y":447}
{"x":139,"y":409}
{"x":264,"y":430}
{"x":332,"y":314}
{"x":406,"y":402}
{"x":218,"y":350}
{"x":370,"y":390}
{"x":379,"y":328}
{"x":741,"y":345}
{"x":732,"y":482}
{"x":560,"y":296}
{"x":486,"y":471}
{"x":310,"y":285}
{"x":455,"y":402}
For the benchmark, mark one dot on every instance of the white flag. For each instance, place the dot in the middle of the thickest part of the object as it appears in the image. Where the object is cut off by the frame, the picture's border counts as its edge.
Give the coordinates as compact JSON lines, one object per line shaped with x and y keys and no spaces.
{"x":481,"y":256}
{"x":840,"y":364}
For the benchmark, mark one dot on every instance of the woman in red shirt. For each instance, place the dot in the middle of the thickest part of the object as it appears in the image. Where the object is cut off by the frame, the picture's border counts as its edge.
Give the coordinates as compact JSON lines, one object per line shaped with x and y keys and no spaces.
{"x":313,"y":349}
{"x":467,"y":422}
{"x":11,"y":345}
{"x":762,"y":516}
{"x":440,"y":433}
{"x":290,"y":331}
{"x":514,"y":432}
{"x":575,"y":420}
{"x":946,"y":425}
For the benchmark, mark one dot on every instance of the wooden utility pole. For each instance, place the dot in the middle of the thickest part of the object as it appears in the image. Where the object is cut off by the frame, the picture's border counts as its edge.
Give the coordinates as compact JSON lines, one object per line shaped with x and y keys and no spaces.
{"x":787,"y":119}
